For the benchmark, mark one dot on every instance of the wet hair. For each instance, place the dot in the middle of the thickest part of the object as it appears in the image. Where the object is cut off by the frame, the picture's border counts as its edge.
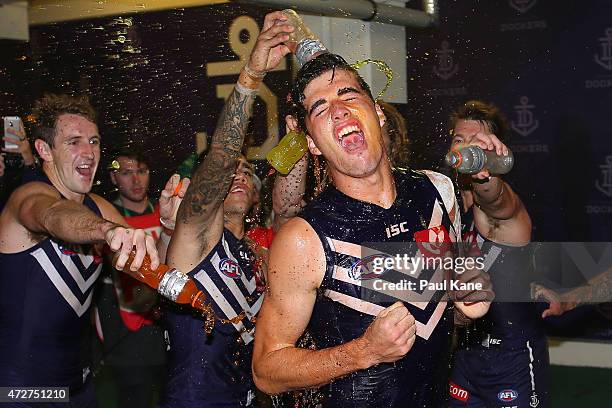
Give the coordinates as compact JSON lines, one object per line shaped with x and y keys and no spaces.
{"x":313,"y":69}
{"x":131,"y":153}
{"x":395,"y":126}
{"x":485,"y":113}
{"x":50,"y":107}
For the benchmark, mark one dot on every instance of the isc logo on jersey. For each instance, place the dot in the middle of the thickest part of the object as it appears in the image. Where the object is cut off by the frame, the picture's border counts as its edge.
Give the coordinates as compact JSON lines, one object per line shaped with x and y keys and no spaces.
{"x":507,"y":395}
{"x":230,"y":268}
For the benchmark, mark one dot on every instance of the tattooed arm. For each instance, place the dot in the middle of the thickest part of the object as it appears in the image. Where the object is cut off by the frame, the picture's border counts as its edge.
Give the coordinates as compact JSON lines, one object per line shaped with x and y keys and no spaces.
{"x":597,"y":290}
{"x":199,"y":223}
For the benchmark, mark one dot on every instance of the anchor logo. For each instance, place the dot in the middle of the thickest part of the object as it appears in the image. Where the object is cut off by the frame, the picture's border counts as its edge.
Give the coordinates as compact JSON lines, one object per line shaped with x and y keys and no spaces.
{"x":522,"y":6}
{"x":605,"y":58}
{"x":446,"y":67}
{"x":534,"y":401}
{"x":606,"y":171}
{"x":525,"y":124}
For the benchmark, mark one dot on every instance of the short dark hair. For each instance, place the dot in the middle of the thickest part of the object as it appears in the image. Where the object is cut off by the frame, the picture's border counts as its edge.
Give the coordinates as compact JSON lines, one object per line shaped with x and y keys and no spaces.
{"x":485,"y":113}
{"x":131,"y":153}
{"x":313,"y":69}
{"x":50,"y":107}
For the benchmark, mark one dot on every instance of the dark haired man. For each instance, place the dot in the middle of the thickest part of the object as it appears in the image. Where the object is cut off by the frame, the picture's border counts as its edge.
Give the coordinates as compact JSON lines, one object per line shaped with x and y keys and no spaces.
{"x":374,"y":350}
{"x":503,"y":357}
{"x":127,"y":324}
{"x":209,"y":245}
{"x":48,"y":264}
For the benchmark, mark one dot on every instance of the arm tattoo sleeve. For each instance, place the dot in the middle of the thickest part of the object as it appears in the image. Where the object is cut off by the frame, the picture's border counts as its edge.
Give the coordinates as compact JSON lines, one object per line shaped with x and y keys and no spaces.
{"x":212,"y":179}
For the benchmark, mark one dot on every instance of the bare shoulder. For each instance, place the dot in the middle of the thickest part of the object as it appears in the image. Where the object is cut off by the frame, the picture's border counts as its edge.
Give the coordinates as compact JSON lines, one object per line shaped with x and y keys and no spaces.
{"x":443,"y":184}
{"x":28,"y":194}
{"x":297,"y":252}
{"x":31,"y":189}
{"x":14,"y":236}
{"x":108,"y":211}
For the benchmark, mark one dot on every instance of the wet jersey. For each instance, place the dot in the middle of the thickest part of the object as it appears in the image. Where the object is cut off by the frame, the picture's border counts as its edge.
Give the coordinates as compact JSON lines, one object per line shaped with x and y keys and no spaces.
{"x":346,"y":304}
{"x":510,"y":270}
{"x":214,"y":370}
{"x":45,"y":298}
{"x":502,"y":358}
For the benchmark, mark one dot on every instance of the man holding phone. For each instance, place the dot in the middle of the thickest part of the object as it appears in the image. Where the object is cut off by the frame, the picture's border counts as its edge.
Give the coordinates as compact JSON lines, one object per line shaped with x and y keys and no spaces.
{"x":16,"y":158}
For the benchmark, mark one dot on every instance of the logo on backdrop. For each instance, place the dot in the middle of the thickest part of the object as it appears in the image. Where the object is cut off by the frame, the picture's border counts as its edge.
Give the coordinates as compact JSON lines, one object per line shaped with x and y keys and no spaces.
{"x":519,"y":23}
{"x":604,"y":185}
{"x":446,"y":67}
{"x":522,"y":6}
{"x":525,"y":123}
{"x":604,"y":58}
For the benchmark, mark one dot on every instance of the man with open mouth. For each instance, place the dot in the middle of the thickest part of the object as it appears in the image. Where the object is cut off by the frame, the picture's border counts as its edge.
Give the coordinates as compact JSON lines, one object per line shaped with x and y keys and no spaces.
{"x":373,"y":349}
{"x":51,"y":231}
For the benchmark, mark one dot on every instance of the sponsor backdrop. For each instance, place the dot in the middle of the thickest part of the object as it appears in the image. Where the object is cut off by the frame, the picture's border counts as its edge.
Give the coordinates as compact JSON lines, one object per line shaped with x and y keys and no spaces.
{"x":548,"y":65}
{"x":160,"y":78}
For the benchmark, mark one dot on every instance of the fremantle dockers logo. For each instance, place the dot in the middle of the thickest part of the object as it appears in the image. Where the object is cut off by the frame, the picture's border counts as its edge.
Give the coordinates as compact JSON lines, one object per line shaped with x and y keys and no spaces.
{"x":522,"y":6}
{"x":606,"y":172}
{"x":605,"y":57}
{"x":525,"y":124}
{"x":446,"y":67}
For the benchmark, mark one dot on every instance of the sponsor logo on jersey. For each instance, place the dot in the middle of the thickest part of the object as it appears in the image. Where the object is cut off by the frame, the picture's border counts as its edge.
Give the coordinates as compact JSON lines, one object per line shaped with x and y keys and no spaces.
{"x":433,"y":242}
{"x":458,"y":393}
{"x":230,"y":268}
{"x":507,"y":395}
{"x":364,"y":269}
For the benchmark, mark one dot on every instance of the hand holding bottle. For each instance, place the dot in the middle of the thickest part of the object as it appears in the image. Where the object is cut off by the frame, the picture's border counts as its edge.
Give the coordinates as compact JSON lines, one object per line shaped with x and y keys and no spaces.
{"x":481,"y":155}
{"x":269,"y":49}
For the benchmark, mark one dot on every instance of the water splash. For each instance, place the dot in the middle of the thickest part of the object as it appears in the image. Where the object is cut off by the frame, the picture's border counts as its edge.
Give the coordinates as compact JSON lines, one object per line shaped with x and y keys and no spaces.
{"x":382,"y":67}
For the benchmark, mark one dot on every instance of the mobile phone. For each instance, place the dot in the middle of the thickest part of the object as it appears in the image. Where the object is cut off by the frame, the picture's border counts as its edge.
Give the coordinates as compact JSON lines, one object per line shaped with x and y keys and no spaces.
{"x":11,"y":122}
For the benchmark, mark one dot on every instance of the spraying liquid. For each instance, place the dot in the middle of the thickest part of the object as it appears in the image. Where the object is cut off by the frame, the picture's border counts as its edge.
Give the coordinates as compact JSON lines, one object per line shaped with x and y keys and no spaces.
{"x":177,"y":287}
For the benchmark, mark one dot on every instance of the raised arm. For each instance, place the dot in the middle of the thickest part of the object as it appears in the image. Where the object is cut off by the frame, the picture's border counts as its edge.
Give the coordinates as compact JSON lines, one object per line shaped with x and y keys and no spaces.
{"x":288,"y":193}
{"x":498,"y":212}
{"x":278,"y":365}
{"x":199,"y":223}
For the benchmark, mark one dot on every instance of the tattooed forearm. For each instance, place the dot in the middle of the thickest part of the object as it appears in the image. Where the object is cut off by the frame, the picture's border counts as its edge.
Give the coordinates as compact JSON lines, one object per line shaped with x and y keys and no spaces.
{"x":212,"y":179}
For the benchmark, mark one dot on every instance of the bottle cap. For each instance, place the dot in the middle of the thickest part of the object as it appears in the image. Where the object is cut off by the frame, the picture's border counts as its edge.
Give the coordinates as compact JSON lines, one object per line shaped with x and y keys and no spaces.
{"x":453,"y":159}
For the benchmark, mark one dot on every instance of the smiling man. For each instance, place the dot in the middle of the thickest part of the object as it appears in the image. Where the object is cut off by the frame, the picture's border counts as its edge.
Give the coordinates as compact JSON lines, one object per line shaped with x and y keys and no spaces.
{"x":48,"y":259}
{"x":209,"y":244}
{"x":372,"y":350}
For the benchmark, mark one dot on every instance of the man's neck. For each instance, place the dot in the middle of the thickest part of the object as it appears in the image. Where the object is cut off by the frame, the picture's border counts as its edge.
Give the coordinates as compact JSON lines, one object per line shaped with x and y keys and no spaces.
{"x":377,"y":188}
{"x":135,"y":206}
{"x":234,"y":222}
{"x":53,"y":177}
{"x":467,"y":197}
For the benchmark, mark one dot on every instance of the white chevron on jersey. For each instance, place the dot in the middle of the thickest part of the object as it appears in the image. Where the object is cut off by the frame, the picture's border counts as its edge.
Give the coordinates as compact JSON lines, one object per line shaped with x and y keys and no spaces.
{"x":87,"y":261}
{"x":231,"y":285}
{"x":225,"y":306}
{"x":251,"y":284}
{"x":424,"y":330}
{"x":445,"y":187}
{"x":419,"y":300}
{"x":59,"y":283}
